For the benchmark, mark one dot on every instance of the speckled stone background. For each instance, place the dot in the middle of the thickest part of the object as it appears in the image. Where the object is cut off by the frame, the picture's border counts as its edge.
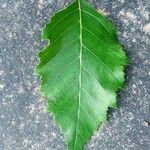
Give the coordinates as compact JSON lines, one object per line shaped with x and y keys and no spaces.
{"x":24,"y":122}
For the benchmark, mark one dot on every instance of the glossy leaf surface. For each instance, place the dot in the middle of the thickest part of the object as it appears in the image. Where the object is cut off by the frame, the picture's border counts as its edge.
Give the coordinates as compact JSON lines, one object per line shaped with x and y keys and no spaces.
{"x":81,"y":69}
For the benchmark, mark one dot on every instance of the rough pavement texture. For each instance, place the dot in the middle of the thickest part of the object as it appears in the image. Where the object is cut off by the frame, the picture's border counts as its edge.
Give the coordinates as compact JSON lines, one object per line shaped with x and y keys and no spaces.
{"x":24,"y":122}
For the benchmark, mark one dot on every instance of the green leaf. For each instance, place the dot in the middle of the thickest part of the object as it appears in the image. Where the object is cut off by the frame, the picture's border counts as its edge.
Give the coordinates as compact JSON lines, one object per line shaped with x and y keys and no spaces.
{"x":81,"y":69}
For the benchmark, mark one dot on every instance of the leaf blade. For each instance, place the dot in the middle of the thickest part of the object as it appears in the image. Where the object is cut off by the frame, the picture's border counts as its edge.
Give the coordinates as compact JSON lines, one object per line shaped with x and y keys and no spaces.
{"x":81,"y":70}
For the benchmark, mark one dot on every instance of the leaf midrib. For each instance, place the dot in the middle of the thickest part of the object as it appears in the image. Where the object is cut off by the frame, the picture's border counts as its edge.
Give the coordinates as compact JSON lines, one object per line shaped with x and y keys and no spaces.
{"x":80,"y":73}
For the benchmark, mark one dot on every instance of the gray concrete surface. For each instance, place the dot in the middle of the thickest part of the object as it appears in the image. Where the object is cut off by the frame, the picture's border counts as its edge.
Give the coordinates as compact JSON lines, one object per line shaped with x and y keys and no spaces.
{"x":24,"y":122}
